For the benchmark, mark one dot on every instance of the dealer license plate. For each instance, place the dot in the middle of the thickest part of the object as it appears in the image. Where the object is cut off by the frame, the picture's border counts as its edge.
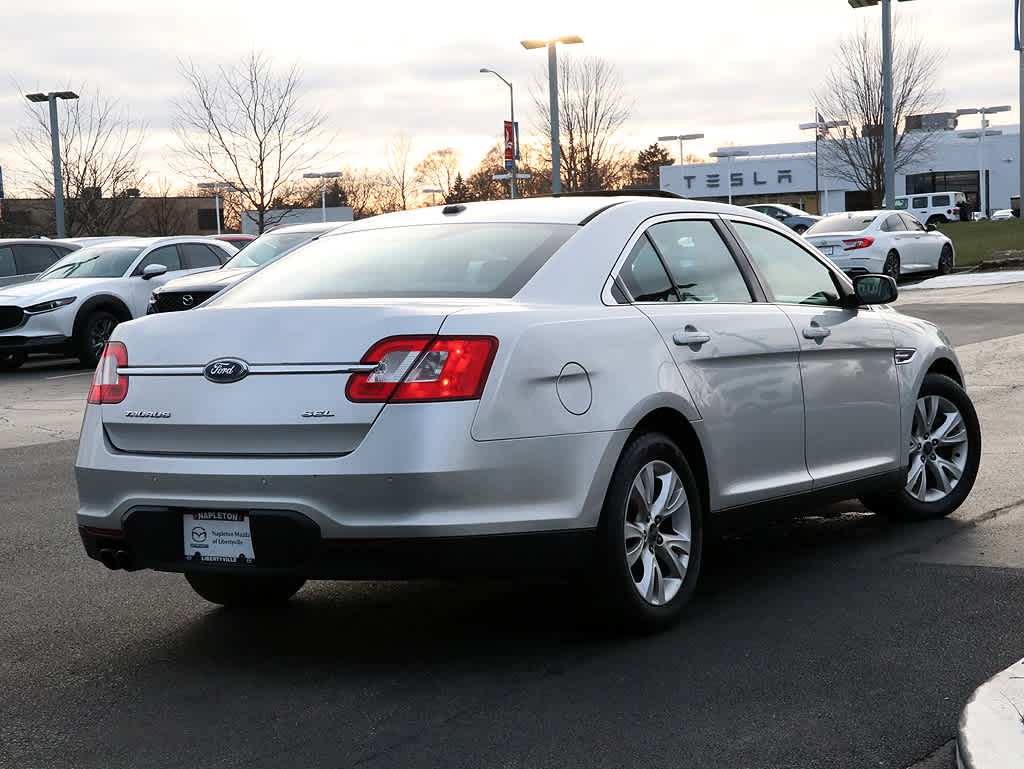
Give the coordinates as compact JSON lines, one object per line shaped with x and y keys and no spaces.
{"x":219,"y":536}
{"x":826,"y":250}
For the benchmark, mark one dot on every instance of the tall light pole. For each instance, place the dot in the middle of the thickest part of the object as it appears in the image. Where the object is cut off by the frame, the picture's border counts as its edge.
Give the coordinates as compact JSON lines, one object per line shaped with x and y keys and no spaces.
{"x":980,"y":136}
{"x":58,"y":183}
{"x":556,"y":160}
{"x":888,"y":130}
{"x":820,"y":129}
{"x":323,"y":177}
{"x":681,"y":138}
{"x":515,"y":138}
{"x":729,"y":154}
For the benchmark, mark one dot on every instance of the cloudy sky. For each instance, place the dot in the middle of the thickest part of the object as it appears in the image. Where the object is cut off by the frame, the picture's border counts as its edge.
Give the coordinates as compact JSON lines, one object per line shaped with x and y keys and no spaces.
{"x":740,"y":71}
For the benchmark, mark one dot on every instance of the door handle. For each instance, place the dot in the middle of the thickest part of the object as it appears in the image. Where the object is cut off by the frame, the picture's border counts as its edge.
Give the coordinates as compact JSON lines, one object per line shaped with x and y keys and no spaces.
{"x":690,"y":335}
{"x":815,"y":332}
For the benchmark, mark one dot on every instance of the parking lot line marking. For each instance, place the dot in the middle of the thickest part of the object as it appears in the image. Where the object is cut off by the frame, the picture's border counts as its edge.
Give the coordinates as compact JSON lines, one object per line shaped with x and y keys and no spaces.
{"x":65,"y":376}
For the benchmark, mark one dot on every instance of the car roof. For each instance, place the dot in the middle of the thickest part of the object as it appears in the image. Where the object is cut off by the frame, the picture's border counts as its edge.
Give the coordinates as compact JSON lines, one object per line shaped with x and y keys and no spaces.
{"x":576,"y":210}
{"x":37,"y":242}
{"x":305,"y":227}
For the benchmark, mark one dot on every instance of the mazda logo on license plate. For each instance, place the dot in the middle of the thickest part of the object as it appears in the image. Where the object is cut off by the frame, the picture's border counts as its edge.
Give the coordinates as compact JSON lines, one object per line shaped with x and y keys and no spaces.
{"x":226,"y":370}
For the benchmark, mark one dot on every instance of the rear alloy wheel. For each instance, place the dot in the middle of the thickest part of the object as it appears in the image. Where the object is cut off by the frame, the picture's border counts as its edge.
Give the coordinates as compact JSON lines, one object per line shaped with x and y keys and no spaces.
{"x":946,"y":260}
{"x":93,"y":337}
{"x":944,"y":454}
{"x":244,"y":591}
{"x":9,"y":361}
{"x":651,"y":535}
{"x":892,"y":266}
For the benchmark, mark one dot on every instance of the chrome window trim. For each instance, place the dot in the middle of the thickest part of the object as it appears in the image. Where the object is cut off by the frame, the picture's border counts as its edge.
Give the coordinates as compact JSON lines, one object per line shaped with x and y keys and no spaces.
{"x":264,"y":368}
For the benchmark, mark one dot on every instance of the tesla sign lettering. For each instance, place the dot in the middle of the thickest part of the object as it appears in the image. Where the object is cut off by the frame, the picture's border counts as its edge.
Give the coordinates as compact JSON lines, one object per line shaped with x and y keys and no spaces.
{"x":714,"y":181}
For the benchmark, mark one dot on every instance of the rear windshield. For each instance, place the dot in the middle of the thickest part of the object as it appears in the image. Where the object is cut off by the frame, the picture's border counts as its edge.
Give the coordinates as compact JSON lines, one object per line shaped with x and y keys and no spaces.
{"x":841,"y":223}
{"x":458,"y":260}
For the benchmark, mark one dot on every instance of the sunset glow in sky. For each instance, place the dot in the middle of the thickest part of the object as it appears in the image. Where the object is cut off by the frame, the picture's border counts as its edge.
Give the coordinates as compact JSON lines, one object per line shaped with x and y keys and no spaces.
{"x":739,"y":71}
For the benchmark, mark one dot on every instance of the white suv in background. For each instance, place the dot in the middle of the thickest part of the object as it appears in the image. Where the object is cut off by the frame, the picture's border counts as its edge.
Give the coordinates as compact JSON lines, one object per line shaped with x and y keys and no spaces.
{"x":73,"y":306}
{"x":932,"y":207}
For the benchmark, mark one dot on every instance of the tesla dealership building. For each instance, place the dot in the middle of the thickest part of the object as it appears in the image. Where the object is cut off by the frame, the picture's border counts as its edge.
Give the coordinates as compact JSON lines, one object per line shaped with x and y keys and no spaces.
{"x":785,"y":173}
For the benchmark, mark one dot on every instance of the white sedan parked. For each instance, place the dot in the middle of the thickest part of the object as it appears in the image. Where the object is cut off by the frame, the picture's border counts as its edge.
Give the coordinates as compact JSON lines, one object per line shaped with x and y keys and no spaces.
{"x":889,"y":242}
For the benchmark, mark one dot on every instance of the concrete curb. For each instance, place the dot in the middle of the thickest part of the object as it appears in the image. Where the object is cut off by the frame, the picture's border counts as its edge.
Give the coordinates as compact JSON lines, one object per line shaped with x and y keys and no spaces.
{"x":967,"y":279}
{"x":991,"y":730}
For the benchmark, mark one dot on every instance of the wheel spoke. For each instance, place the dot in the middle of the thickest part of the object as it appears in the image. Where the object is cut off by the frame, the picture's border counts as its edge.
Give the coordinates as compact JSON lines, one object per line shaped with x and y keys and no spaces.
{"x":634,"y":543}
{"x":917,"y":480}
{"x":947,"y":473}
{"x":677,"y":554}
{"x":669,"y":494}
{"x":644,"y":584}
{"x":952,"y":432}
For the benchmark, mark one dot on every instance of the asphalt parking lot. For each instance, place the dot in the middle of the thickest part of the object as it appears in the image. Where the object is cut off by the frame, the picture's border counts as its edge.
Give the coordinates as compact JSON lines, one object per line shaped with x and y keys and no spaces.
{"x":837,"y":640}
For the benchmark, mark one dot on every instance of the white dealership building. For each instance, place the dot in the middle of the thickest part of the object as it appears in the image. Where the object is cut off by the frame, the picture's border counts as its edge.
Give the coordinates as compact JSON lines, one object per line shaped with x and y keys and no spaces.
{"x":785,"y":173}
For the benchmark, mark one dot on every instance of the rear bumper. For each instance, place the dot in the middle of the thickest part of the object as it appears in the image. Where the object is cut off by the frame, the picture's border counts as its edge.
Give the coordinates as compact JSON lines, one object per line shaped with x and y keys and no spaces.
{"x":414,"y":476}
{"x":286,"y":543}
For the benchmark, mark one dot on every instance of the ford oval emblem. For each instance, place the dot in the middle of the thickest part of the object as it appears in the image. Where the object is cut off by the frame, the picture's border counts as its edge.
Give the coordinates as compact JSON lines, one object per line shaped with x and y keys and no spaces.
{"x":226,"y":370}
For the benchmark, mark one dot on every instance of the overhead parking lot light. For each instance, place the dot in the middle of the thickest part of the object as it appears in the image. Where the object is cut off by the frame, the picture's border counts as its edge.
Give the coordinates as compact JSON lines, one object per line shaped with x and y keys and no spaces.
{"x":58,"y":182}
{"x":680,"y":138}
{"x":323,"y":177}
{"x":888,"y":131}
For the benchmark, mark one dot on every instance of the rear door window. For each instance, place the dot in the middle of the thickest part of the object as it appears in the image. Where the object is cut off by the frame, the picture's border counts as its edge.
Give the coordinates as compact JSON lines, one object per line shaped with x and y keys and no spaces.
{"x":7,"y":268}
{"x":198,"y":255}
{"x":32,"y":258}
{"x":699,"y":262}
{"x":921,"y":202}
{"x":644,"y":275}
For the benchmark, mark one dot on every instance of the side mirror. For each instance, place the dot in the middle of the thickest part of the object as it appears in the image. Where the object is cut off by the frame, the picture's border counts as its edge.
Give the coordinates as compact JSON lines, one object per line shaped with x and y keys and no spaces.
{"x":930,"y":227}
{"x":874,"y":289}
{"x":152,"y":270}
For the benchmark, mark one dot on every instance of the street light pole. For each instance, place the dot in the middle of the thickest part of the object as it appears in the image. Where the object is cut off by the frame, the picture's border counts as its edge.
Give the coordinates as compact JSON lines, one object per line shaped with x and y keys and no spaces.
{"x":888,"y":129}
{"x":681,"y":138}
{"x":323,"y":177}
{"x":556,"y":160}
{"x":58,"y":182}
{"x":980,"y":136}
{"x":729,"y":154}
{"x":433,"y":191}
{"x":512,"y":114}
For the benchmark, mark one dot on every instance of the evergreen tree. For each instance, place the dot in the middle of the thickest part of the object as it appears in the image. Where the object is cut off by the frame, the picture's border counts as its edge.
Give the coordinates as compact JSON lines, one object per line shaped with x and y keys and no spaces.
{"x":460,"y":192}
{"x":648,"y":161}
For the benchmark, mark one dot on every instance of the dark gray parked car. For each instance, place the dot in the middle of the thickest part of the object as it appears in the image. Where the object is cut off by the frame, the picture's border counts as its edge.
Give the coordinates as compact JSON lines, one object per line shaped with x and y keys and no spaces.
{"x":22,"y":259}
{"x":794,"y":218}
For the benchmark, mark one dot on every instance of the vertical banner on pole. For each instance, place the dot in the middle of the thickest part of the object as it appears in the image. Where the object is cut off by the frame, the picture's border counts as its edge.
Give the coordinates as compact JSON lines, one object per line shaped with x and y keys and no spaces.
{"x":1016,"y":25}
{"x":510,"y":141}
{"x":516,"y":132}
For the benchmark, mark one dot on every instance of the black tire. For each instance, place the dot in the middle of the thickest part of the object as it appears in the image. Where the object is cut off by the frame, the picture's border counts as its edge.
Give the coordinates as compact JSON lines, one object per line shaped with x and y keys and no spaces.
{"x":899,"y":504}
{"x":618,"y":591}
{"x":93,"y":334}
{"x":800,"y":229}
{"x":244,"y":591}
{"x":892,"y":266}
{"x":946,"y":260}
{"x":9,"y":361}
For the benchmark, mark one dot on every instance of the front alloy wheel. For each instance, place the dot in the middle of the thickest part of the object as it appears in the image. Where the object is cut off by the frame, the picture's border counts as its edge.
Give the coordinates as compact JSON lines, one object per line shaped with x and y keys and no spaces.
{"x":944,"y":454}
{"x":94,"y":335}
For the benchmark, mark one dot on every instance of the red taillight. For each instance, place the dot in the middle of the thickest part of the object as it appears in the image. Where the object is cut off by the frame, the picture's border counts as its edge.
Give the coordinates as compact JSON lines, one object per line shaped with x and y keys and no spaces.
{"x":107,"y":385}
{"x":854,"y":243}
{"x":424,"y":368}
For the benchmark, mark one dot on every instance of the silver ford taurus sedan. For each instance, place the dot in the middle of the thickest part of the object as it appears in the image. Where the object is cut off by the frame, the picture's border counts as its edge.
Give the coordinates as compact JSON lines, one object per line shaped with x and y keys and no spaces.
{"x":492,"y":388}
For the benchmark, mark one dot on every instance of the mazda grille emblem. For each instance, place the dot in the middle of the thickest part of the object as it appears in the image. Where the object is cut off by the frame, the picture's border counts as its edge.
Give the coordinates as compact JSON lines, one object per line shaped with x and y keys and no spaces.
{"x":226,"y":370}
{"x":187,"y":300}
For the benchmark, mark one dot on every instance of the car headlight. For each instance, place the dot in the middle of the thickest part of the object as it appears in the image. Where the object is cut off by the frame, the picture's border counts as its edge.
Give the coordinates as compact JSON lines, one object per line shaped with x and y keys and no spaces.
{"x":49,"y":306}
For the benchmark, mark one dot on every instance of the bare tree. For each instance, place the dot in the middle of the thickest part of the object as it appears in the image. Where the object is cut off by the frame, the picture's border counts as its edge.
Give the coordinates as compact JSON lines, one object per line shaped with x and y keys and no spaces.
{"x":244,"y":127}
{"x":853,"y":92}
{"x":591,"y":110}
{"x":99,"y":147}
{"x":481,"y":184}
{"x":397,"y":176}
{"x":364,"y":190}
{"x":439,"y":169}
